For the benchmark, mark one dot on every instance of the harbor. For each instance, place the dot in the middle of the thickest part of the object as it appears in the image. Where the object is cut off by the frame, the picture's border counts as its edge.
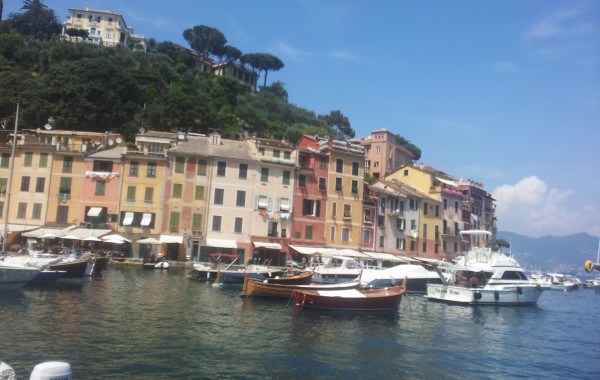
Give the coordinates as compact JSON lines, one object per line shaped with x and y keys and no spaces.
{"x":138,"y":324}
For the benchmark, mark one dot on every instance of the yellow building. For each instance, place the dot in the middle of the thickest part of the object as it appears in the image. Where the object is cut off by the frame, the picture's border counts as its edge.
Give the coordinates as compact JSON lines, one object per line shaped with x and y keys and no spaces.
{"x":344,"y":193}
{"x":105,"y":28}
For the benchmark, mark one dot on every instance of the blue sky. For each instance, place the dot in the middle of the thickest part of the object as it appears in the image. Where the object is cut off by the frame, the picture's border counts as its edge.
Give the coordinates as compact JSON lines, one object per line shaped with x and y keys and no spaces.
{"x":506,"y":93}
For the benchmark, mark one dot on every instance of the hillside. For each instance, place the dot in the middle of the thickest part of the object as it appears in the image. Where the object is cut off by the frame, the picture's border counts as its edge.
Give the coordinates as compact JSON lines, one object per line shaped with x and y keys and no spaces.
{"x":553,"y":253}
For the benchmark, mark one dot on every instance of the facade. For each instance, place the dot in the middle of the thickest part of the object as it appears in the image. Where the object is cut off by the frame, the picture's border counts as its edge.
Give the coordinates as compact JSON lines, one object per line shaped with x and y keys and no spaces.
{"x":310,"y":194}
{"x":237,"y":72}
{"x":478,"y":206}
{"x":344,"y":193}
{"x":104,"y":27}
{"x":383,"y":153}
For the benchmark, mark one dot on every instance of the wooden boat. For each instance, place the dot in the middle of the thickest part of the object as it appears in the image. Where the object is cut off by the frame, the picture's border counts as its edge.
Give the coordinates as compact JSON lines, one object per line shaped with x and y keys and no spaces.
{"x":303,"y":278}
{"x":261,"y":288}
{"x":352,"y":299}
{"x":75,"y":269}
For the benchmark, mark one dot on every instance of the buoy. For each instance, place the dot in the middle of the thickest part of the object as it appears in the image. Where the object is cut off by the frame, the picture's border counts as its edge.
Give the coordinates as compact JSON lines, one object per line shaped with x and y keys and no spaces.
{"x":51,"y":370}
{"x":589,"y":266}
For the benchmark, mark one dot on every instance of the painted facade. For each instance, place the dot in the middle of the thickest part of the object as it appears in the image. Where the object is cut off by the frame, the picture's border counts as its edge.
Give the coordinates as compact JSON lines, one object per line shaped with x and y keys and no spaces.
{"x":104,"y":27}
{"x":383,"y":153}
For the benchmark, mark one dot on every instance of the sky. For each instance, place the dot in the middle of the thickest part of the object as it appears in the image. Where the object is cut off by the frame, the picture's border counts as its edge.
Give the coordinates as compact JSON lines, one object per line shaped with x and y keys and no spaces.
{"x":506,"y":93}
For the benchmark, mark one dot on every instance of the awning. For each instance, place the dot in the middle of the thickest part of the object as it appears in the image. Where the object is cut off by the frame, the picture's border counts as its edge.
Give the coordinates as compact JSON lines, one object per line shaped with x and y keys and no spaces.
{"x":447,"y":182}
{"x":146,"y":219}
{"x":310,"y":250}
{"x":171,"y":239}
{"x":94,"y":211}
{"x":149,"y":240}
{"x":260,"y":244}
{"x":386,"y":257}
{"x":221,"y":243}
{"x":128,"y":219}
{"x":348,"y":252}
{"x":81,"y":233}
{"x":115,"y":237}
{"x":43,"y":232}
{"x":17,"y":228}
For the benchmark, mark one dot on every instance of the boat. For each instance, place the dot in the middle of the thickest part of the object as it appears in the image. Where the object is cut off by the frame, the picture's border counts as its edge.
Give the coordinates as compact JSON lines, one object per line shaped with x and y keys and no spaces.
{"x":263,"y":288}
{"x":559,"y":281}
{"x":221,"y":273}
{"x":13,"y":276}
{"x":303,"y":278}
{"x":75,"y":268}
{"x":42,"y":371}
{"x":163,"y":265}
{"x":47,"y":276}
{"x":335,"y":269}
{"x":482,"y":276}
{"x":376,"y":299}
{"x":417,"y":277}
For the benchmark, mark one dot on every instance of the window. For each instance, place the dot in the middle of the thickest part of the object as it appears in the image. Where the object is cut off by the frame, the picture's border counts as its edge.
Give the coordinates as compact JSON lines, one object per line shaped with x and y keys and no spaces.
{"x":455,"y":206}
{"x":216,"y":223}
{"x":263,"y":202}
{"x":25,"y":183}
{"x":177,"y":190}
{"x":378,"y":149}
{"x":323,"y":162}
{"x":366,"y":237}
{"x":437,"y":211}
{"x":311,"y":207}
{"x":367,"y":165}
{"x":3,"y":184}
{"x":345,"y":235}
{"x":221,"y":166}
{"x":130,"y":193}
{"x":155,"y":148}
{"x":134,"y":168}
{"x":425,"y":208}
{"x":240,"y":198}
{"x":287,"y":155}
{"x":339,"y":165}
{"x":308,"y":232}
{"x":5,"y":160}
{"x":62,"y":214}
{"x":284,"y":204}
{"x":445,"y":203}
{"x":264,"y":174}
{"x":368,"y":215}
{"x":199,"y":193}
{"x":219,"y":196}
{"x":67,"y":164}
{"x":401,"y":223}
{"x":201,"y":169}
{"x":322,"y":184}
{"x":276,"y":153}
{"x":424,"y":247}
{"x":100,"y":188}
{"x":37,"y":211}
{"x":196,"y":223}
{"x":149,"y":195}
{"x":103,"y":166}
{"x":174,"y":221}
{"x":243,"y":172}
{"x":28,"y":159}
{"x":65,"y":186}
{"x":286,"y":177}
{"x":261,"y":151}
{"x":1,"y":208}
{"x":272,"y":229}
{"x":151,"y":170}
{"x":302,"y":180}
{"x":354,"y":186}
{"x":40,"y":184}
{"x":338,"y":184}
{"x":21,"y":210}
{"x":238,"y":225}
{"x":381,"y":241}
{"x":332,"y":233}
{"x":347,"y":211}
{"x":424,"y":230}
{"x":179,"y":164}
{"x":355,"y":168}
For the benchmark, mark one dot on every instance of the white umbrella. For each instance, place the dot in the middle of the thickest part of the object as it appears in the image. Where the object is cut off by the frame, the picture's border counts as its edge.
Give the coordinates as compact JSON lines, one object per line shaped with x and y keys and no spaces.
{"x":114,"y":241}
{"x":70,"y":237}
{"x":115,"y":237}
{"x":91,"y":238}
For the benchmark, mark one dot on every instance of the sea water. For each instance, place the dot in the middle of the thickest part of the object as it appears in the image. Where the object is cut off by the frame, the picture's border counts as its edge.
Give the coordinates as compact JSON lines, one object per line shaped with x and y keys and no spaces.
{"x":137,"y":324}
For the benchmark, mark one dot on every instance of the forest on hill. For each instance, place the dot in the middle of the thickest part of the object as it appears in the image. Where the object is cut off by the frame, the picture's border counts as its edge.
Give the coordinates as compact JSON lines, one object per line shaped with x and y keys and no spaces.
{"x":95,"y":88}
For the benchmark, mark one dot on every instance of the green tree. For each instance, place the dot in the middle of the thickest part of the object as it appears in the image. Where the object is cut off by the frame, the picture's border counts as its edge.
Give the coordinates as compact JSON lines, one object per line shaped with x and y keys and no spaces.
{"x":37,"y":21}
{"x":415,"y":151}
{"x":262,"y":62}
{"x":339,"y":124}
{"x":205,"y":40}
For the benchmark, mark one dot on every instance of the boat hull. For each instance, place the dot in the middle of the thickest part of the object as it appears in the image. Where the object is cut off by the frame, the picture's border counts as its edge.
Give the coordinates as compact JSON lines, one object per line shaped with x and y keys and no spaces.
{"x":14,"y":277}
{"x":258,"y":288}
{"x":502,"y":295}
{"x":353,"y":299}
{"x":75,"y":269}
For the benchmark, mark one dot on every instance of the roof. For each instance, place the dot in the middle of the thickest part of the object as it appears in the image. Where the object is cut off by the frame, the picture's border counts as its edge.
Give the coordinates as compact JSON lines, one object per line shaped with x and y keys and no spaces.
{"x":194,"y":145}
{"x":114,"y":153}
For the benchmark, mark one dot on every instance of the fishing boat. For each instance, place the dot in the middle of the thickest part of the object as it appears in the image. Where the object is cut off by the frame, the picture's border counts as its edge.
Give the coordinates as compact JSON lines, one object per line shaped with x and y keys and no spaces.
{"x":351,"y":299}
{"x":263,"y":288}
{"x":483,"y":276}
{"x":303,"y":278}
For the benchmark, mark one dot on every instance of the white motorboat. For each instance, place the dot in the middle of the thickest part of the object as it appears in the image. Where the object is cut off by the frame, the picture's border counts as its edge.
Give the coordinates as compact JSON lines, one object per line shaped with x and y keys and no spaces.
{"x":484,"y":276}
{"x":336,"y":269}
{"x":417,"y":277}
{"x":13,"y":276}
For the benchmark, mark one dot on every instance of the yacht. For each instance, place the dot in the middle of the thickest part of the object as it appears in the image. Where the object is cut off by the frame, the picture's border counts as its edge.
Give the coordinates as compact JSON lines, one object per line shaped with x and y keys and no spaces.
{"x":483,"y":276}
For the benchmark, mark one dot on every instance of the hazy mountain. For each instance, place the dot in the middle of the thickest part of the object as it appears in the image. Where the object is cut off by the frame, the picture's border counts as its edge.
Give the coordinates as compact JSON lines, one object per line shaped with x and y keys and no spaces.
{"x":565,"y":254}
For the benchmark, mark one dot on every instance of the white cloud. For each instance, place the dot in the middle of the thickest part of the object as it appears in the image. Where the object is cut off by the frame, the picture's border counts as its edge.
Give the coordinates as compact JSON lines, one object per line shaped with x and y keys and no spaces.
{"x":531,"y":208}
{"x":344,"y":54}
{"x":292,"y":53}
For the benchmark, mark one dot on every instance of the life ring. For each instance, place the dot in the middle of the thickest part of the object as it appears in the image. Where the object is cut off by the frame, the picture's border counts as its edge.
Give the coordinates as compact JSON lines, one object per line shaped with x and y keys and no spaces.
{"x":589,"y":266}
